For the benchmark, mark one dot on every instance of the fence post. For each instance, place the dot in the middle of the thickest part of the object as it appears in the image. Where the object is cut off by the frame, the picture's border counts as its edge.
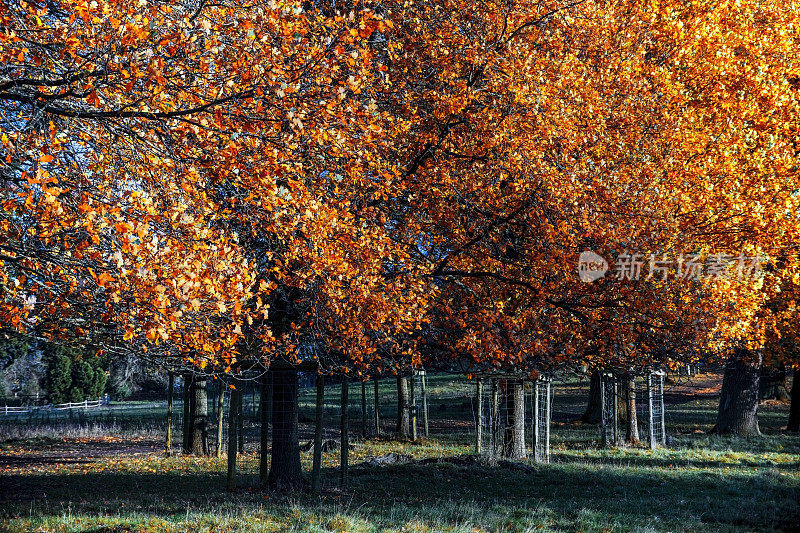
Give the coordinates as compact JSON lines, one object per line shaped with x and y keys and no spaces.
{"x":376,"y":400}
{"x":547,"y":421}
{"x":240,"y":417}
{"x":536,"y":429}
{"x":345,"y":438}
{"x":233,"y":426}
{"x":479,"y":417}
{"x":363,"y":409}
{"x":661,"y":407}
{"x":264,"y":411}
{"x":495,"y":419}
{"x":170,"y":392}
{"x":616,"y":413}
{"x":650,"y":426}
{"x":413,"y":407}
{"x":424,"y":403}
{"x":319,"y":421}
{"x":603,"y":428}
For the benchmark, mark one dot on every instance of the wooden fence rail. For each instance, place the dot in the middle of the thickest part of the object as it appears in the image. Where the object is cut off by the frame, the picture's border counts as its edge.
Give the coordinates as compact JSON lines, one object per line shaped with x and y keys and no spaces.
{"x":86,"y":404}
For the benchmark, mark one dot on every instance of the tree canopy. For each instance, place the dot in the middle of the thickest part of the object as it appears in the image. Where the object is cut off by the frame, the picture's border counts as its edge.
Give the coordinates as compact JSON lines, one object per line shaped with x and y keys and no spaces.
{"x":385,"y":183}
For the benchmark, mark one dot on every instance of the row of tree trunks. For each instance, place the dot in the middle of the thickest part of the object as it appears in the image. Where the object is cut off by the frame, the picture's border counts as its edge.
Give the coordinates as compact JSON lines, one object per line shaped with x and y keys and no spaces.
{"x":739,"y":397}
{"x":279,"y":395}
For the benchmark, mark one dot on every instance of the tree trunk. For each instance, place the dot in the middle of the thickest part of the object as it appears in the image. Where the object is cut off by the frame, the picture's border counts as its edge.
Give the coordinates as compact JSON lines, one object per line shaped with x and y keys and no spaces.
{"x":772,"y":384}
{"x":186,"y":423}
{"x":794,"y":409}
{"x":402,"y":407}
{"x":285,"y":469}
{"x":593,"y":413}
{"x":514,"y":432}
{"x":263,"y":460}
{"x":199,"y":416}
{"x":738,"y":402}
{"x":631,"y":421}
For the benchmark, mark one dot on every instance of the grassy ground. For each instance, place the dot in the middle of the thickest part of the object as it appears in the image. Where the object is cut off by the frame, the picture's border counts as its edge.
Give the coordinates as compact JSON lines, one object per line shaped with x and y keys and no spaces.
{"x":698,"y":483}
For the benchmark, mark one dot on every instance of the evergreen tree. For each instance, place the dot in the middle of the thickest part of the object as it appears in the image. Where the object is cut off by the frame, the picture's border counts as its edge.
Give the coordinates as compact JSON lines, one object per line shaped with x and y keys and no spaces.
{"x":58,"y":378}
{"x":83,"y":376}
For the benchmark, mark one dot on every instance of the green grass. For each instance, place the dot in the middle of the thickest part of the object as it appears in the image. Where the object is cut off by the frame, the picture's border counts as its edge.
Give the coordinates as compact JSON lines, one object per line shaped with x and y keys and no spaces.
{"x":699,"y":483}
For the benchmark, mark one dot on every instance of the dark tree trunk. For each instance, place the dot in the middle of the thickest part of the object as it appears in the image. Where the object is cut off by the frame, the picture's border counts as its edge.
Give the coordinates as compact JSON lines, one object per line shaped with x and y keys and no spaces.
{"x":593,"y":413}
{"x":199,"y":415}
{"x":285,"y":469}
{"x":772,"y":384}
{"x":186,"y":423}
{"x":794,"y":409}
{"x":402,"y":407}
{"x":631,"y":422}
{"x":514,"y":432}
{"x":738,"y":402}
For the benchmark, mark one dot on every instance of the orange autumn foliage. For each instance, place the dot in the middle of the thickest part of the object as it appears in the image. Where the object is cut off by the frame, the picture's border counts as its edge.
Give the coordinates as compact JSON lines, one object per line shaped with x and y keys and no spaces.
{"x":398,"y":182}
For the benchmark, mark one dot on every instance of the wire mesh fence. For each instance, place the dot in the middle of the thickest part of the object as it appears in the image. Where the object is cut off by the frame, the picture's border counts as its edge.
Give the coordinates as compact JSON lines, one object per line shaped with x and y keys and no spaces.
{"x":609,"y":424}
{"x":513,"y":418}
{"x":542,"y":396}
{"x":655,"y":387}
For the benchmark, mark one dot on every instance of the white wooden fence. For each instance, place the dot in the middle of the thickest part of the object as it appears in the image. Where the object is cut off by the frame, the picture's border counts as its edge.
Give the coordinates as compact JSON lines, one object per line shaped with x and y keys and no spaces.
{"x":85,"y":404}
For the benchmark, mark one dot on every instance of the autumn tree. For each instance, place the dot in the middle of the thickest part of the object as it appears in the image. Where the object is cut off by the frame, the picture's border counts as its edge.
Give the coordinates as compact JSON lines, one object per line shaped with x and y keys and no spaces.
{"x":359,"y":185}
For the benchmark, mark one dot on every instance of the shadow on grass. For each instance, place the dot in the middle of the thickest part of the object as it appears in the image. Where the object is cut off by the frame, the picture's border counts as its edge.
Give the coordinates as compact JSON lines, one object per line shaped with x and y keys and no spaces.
{"x":436,"y":493}
{"x":645,"y":461}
